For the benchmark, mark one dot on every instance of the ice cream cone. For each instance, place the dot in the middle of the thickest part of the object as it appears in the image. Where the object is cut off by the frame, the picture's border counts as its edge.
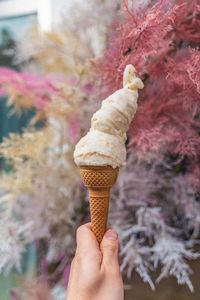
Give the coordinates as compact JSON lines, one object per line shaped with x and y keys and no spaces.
{"x":99,"y":180}
{"x":102,"y":150}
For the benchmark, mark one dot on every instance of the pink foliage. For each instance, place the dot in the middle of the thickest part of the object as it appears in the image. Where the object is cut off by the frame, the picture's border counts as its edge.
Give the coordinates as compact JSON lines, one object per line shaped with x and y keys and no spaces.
{"x":38,"y":89}
{"x":73,"y":129}
{"x":161,"y":41}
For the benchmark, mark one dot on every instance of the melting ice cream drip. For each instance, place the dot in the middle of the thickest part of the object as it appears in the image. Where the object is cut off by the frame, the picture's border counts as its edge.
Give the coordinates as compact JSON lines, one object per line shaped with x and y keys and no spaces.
{"x":104,"y":144}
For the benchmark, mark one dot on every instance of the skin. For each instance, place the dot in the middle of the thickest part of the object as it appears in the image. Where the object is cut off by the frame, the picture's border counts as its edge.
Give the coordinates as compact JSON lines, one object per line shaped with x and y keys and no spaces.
{"x":95,"y":273}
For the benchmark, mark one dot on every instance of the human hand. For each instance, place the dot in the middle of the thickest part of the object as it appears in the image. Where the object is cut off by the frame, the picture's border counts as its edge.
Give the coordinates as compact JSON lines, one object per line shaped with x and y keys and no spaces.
{"x":95,"y":273}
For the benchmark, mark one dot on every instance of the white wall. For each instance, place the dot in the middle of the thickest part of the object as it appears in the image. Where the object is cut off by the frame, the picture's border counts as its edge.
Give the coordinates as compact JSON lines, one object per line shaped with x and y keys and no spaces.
{"x":45,"y":14}
{"x":49,"y":11}
{"x":17,"y":7}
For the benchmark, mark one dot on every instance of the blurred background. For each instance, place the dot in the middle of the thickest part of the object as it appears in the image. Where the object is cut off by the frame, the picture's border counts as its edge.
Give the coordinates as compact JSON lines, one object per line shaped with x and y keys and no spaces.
{"x":58,"y":61}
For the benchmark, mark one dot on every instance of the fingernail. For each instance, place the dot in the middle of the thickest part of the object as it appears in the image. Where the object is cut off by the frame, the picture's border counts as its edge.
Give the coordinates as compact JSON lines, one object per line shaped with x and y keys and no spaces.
{"x":111,"y":235}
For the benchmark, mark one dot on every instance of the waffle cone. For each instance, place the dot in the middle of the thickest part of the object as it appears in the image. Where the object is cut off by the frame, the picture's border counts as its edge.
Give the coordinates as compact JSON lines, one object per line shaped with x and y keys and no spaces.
{"x":99,"y":180}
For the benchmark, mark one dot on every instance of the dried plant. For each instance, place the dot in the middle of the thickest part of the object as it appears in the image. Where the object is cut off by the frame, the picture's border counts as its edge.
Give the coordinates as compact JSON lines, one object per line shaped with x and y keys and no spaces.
{"x":161,"y":40}
{"x":153,"y":208}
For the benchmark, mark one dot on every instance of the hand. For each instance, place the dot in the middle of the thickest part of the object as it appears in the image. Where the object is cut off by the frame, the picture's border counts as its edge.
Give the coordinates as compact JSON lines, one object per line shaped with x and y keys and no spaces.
{"x":95,"y":273}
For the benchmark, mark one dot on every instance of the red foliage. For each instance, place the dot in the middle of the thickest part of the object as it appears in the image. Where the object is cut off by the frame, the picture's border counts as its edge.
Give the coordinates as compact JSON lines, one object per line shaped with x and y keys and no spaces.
{"x":37,"y":89}
{"x":161,"y":41}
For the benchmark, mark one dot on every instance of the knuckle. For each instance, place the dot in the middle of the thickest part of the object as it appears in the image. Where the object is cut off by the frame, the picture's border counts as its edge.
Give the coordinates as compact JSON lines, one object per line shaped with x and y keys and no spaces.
{"x":79,"y":230}
{"x":113,"y":271}
{"x":73,"y":261}
{"x":117,"y":272}
{"x":78,"y":257}
{"x":111,"y":246}
{"x":89,"y":256}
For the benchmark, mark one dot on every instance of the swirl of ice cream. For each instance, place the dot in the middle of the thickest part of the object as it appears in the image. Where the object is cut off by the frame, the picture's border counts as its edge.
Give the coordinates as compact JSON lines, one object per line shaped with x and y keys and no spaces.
{"x":104,"y":144}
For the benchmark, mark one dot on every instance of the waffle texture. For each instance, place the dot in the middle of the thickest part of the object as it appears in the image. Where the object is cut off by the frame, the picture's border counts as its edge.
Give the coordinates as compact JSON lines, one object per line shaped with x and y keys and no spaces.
{"x":99,"y":180}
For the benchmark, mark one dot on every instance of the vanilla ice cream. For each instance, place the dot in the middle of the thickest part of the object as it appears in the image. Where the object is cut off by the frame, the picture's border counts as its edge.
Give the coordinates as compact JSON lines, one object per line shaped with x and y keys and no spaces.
{"x":104,"y":144}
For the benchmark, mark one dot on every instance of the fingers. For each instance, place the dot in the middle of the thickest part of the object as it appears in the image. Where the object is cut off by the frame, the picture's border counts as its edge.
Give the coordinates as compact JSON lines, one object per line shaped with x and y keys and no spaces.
{"x":109,"y":248}
{"x":88,"y":250}
{"x":85,"y":238}
{"x":87,"y":245}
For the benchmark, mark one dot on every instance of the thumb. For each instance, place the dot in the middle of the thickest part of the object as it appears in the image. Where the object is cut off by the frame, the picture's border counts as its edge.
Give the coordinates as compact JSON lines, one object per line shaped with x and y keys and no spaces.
{"x":109,"y":248}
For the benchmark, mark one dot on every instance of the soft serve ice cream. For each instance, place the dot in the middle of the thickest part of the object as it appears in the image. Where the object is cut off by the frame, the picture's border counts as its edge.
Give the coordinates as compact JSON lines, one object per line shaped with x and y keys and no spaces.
{"x":104,"y":144}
